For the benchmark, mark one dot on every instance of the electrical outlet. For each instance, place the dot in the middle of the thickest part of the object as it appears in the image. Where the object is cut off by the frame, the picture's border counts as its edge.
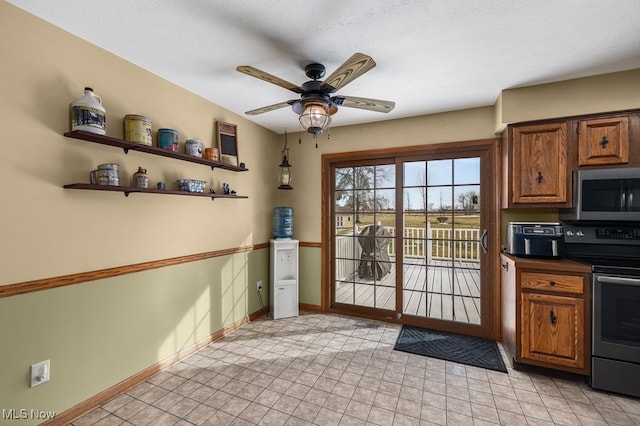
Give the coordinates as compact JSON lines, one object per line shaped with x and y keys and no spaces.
{"x":40,"y":372}
{"x":259,"y":285}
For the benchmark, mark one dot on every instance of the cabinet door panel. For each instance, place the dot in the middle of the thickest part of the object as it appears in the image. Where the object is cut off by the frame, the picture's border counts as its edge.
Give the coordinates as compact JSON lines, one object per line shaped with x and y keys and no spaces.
{"x":540,"y":171}
{"x":552,"y":329}
{"x":604,"y":141}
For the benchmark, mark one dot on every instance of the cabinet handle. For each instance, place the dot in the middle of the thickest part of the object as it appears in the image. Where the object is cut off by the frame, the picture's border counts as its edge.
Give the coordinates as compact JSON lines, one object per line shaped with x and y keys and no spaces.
{"x":604,"y":142}
{"x":505,"y":266}
{"x":552,"y":317}
{"x":552,"y":283}
{"x":539,"y":177}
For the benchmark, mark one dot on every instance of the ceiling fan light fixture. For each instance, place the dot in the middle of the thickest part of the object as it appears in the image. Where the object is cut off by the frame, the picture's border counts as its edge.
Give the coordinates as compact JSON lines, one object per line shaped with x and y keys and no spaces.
{"x":316,"y":116}
{"x":316,"y":103}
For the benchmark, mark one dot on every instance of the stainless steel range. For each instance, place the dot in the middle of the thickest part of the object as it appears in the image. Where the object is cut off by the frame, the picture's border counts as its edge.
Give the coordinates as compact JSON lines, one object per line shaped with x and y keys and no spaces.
{"x":614,"y":255}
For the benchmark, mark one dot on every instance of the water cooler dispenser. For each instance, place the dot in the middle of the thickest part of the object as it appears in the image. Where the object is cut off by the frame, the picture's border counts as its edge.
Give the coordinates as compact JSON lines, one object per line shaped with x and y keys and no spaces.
{"x":284,"y":278}
{"x":284,"y":266}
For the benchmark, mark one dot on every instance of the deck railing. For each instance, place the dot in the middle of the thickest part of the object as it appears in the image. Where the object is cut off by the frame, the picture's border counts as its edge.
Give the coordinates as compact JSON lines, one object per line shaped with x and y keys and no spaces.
{"x":418,"y":243}
{"x":347,"y":252}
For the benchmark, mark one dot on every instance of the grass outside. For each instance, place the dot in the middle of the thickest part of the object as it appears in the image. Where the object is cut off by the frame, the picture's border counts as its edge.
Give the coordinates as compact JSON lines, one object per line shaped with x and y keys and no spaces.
{"x":418,"y":220}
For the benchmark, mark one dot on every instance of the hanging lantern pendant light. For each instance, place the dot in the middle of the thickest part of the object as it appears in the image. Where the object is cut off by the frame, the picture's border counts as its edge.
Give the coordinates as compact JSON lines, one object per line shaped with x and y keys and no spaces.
{"x":285,"y":167}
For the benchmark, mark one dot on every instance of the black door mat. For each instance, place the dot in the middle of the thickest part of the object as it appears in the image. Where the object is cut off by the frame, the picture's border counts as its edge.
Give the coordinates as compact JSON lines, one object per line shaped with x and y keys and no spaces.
{"x":458,"y":348}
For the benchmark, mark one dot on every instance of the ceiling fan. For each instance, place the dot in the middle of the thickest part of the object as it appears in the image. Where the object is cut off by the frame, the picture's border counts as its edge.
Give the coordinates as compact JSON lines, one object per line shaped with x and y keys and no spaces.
{"x":316,"y":104}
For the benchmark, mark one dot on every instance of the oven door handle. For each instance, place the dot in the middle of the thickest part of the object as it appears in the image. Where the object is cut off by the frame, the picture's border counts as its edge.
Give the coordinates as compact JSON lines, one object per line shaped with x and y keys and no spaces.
{"x":618,"y":280}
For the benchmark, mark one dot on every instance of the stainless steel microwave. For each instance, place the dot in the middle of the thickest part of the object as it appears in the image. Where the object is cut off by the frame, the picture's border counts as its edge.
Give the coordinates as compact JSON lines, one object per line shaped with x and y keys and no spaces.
{"x":605,"y":195}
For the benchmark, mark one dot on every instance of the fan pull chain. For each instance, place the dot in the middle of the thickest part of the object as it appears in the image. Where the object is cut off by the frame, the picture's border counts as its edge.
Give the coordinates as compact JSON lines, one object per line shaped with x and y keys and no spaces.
{"x":315,"y":138}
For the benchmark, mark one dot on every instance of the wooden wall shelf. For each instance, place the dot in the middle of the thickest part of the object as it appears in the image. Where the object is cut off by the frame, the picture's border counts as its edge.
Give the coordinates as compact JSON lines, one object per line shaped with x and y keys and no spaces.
{"x":130,"y":189}
{"x":135,"y":146}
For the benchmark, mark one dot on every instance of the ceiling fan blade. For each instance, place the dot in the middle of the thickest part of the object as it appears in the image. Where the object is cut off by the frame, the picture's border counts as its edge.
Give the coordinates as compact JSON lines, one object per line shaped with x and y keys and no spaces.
{"x":255,"y":72}
{"x":351,"y":69}
{"x":271,"y":107}
{"x":364,"y":103}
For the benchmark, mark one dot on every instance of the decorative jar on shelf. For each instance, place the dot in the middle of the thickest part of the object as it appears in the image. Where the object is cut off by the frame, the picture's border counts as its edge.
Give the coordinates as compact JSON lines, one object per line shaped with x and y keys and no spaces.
{"x":193,"y":147}
{"x":140,"y":178}
{"x":88,"y":114}
{"x":137,"y":128}
{"x":168,"y":139}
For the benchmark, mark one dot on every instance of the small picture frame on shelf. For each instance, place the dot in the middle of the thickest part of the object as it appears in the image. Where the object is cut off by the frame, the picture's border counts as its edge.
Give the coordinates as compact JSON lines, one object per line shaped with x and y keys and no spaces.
{"x":227,"y":135}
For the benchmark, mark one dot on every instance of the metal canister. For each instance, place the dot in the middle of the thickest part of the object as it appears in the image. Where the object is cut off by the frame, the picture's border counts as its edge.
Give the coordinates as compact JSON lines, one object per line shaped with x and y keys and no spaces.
{"x":108,"y":174}
{"x":168,"y":139}
{"x":137,"y":128}
{"x":108,"y":177}
{"x":193,"y":147}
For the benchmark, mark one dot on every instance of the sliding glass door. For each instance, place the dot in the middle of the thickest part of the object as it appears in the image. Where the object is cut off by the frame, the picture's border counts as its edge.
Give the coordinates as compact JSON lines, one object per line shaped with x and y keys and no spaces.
{"x":412,"y":237}
{"x":441,"y":230}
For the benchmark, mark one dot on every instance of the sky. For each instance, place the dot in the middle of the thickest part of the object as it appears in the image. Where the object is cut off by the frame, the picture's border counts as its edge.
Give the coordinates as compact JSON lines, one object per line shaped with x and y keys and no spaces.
{"x":440,"y":181}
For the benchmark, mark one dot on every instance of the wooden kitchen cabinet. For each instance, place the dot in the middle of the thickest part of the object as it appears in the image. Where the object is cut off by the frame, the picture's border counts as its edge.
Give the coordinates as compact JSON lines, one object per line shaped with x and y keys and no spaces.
{"x":536,"y":166}
{"x":545,"y":313}
{"x":539,"y":157}
{"x":552,"y":329}
{"x":603,"y":141}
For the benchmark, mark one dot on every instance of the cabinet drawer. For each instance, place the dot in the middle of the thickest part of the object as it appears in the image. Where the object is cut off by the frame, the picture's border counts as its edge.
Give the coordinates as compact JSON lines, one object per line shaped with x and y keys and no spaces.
{"x":552,"y":282}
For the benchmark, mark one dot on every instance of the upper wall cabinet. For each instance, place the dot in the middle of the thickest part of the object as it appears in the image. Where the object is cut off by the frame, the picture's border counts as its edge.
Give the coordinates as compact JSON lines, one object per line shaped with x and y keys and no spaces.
{"x":603,"y":141}
{"x":536,"y":166}
{"x":539,"y":157}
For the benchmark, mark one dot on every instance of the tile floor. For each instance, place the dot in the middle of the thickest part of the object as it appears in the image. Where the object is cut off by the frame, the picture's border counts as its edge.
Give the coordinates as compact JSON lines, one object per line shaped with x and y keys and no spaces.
{"x":326,"y":369}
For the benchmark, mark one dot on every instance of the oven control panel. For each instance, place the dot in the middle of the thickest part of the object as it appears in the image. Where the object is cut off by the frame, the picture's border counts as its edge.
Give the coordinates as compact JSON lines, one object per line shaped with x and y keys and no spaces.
{"x":618,"y":233}
{"x":601,"y":235}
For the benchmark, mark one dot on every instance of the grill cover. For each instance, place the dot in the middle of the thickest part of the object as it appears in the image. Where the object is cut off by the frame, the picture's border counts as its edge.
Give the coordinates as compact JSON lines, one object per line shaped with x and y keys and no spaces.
{"x":374,"y":260}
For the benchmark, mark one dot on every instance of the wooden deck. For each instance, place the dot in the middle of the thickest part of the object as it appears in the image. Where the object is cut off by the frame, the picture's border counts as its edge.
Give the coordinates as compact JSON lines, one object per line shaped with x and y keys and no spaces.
{"x":437,"y":290}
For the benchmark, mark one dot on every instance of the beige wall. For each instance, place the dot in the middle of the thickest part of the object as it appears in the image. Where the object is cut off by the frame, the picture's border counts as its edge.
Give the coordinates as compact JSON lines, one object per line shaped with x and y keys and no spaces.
{"x":54,"y":231}
{"x":602,"y":93}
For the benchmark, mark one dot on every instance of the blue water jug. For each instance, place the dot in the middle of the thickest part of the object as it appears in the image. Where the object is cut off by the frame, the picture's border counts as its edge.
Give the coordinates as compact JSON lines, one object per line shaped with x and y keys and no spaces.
{"x":282,"y":222}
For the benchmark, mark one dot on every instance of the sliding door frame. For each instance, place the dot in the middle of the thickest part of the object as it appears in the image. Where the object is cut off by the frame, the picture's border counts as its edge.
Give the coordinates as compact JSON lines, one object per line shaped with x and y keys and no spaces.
{"x":490,"y":326}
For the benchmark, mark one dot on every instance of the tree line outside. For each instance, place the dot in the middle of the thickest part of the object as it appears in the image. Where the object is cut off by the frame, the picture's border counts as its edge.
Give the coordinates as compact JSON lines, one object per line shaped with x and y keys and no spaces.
{"x":361,"y":191}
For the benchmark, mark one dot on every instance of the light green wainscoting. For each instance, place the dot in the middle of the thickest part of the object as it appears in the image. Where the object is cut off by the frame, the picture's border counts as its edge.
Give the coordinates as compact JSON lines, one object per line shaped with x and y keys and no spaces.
{"x":310,"y":276}
{"x":99,"y":333}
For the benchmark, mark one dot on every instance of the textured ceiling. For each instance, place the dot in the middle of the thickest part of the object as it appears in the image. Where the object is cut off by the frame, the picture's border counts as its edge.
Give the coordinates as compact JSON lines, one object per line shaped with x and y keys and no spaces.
{"x":432,"y":55}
